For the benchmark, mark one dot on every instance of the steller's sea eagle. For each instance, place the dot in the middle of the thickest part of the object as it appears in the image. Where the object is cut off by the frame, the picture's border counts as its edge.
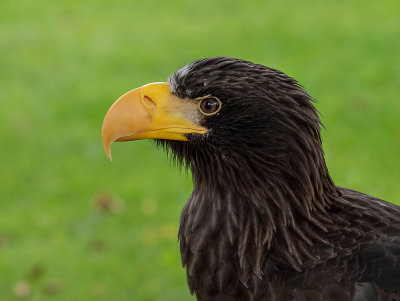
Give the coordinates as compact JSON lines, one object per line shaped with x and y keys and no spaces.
{"x":265,"y":220}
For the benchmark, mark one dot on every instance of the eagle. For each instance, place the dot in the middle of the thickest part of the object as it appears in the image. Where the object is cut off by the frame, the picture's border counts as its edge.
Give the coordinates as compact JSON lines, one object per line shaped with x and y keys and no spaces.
{"x":265,"y":221}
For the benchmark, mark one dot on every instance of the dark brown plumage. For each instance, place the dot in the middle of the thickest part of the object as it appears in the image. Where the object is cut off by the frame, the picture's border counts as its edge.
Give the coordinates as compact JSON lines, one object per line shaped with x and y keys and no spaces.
{"x":265,"y":220}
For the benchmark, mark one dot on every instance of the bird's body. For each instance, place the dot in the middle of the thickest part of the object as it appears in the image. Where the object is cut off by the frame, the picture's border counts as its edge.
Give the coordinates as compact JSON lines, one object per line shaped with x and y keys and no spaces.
{"x":265,"y":220}
{"x":343,"y":259}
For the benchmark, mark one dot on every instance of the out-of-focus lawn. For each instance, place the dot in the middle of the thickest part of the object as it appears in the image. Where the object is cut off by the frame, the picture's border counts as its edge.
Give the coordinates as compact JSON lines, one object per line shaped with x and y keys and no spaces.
{"x":74,"y":226}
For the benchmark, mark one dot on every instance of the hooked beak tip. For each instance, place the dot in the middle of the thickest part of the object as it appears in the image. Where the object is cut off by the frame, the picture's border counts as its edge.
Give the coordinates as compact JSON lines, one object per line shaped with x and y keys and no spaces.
{"x":108,"y":152}
{"x":107,"y":145}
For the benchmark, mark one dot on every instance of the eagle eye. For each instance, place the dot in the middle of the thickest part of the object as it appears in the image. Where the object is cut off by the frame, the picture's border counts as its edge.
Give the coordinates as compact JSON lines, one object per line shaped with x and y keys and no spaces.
{"x":209,"y":105}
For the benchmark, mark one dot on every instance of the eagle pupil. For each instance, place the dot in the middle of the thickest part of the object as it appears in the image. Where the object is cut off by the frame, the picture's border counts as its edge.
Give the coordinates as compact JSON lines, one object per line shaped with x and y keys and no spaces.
{"x":209,"y":105}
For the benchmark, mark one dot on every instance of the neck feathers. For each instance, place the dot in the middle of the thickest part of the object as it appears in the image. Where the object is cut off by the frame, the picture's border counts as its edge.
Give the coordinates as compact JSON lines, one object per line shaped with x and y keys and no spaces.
{"x":246,"y":210}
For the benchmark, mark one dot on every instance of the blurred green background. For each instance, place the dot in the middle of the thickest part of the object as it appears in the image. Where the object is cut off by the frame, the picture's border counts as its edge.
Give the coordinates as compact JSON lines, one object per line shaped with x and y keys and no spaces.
{"x":73,"y":225}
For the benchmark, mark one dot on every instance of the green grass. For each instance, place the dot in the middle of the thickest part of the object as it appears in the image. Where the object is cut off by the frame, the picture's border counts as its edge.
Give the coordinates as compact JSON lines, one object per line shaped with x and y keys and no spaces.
{"x":62,"y":64}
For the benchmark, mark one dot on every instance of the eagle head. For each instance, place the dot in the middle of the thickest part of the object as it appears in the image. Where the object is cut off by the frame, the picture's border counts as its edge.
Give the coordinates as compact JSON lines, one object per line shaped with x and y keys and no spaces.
{"x":223,"y":117}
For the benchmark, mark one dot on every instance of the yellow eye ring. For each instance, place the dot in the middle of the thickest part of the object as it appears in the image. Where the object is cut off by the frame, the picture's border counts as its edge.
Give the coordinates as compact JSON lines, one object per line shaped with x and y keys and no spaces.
{"x":209,"y":105}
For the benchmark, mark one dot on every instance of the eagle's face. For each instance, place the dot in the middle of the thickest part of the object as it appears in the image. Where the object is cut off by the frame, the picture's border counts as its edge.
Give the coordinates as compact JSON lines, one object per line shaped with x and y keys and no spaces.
{"x":219,"y":111}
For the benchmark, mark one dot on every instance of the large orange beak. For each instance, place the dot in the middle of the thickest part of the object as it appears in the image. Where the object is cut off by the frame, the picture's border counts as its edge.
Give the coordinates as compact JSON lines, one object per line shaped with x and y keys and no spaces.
{"x":149,"y":112}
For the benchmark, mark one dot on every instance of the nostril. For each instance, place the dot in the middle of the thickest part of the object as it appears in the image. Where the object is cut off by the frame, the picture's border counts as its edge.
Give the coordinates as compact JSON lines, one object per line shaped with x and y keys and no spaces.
{"x":149,"y":103}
